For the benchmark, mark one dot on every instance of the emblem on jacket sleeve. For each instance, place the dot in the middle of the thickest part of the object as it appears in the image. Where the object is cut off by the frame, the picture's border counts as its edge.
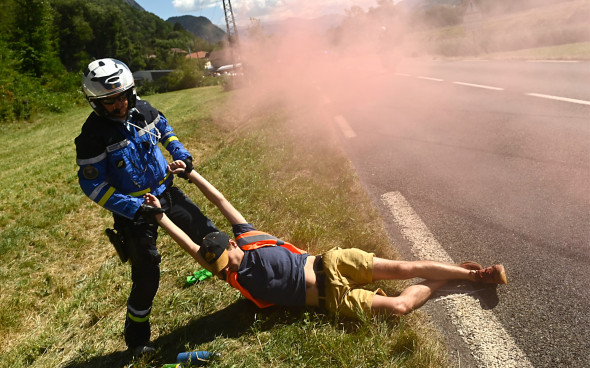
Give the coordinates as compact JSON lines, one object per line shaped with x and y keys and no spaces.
{"x":90,"y":172}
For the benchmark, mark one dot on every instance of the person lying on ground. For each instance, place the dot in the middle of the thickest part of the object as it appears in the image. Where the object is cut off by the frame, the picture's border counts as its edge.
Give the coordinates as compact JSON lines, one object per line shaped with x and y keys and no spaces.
{"x":270,"y":271}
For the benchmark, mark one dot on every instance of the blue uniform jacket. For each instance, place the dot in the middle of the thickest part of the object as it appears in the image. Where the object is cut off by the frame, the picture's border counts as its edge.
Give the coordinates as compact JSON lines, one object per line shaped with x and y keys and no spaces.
{"x":119,"y":165}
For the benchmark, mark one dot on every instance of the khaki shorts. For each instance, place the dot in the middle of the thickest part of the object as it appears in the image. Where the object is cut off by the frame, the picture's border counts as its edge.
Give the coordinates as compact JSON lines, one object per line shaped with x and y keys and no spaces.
{"x":345,"y":271}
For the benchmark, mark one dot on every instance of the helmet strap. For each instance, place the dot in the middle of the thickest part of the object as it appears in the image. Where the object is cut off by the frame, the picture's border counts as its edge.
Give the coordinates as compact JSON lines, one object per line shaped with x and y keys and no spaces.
{"x":98,"y":107}
{"x":131,"y":98}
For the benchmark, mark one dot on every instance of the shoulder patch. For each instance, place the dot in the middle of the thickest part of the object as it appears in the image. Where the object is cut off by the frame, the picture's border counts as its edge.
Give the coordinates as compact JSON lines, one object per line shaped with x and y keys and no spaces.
{"x":90,"y":172}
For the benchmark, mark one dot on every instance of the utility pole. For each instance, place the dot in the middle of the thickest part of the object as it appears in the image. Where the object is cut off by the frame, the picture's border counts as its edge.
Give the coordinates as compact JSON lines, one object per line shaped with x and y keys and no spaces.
{"x":232,"y":32}
{"x":230,"y":21}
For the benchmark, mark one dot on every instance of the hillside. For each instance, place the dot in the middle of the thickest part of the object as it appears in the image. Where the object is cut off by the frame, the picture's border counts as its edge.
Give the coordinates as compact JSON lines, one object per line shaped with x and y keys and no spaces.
{"x":64,"y":289}
{"x":487,"y":6}
{"x":200,"y":27}
{"x":559,"y":23}
{"x":134,"y":4}
{"x":116,"y":28}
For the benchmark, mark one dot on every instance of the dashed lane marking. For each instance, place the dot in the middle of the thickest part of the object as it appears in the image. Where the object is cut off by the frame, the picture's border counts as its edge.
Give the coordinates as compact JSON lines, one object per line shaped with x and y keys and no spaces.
{"x":550,"y":97}
{"x":540,"y":95}
{"x":479,"y":86}
{"x":553,"y":61}
{"x":430,"y":78}
{"x":344,"y":127}
{"x":490,"y":344}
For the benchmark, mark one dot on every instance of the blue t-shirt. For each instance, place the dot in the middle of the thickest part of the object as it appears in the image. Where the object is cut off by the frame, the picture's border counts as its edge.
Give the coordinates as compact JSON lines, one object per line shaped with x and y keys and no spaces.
{"x":272,"y":274}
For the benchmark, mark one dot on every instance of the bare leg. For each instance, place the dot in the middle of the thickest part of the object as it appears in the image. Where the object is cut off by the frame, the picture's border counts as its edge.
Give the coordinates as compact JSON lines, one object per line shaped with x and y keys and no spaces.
{"x":386,"y":269}
{"x":411,"y":298}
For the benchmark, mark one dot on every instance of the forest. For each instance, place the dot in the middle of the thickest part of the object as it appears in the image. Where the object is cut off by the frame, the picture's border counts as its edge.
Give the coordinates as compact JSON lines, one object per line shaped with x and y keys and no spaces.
{"x":45,"y":44}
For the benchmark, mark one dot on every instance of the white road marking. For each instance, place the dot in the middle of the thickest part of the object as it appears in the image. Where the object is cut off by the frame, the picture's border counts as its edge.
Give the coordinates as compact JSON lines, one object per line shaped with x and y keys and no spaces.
{"x":490,"y":344}
{"x":479,"y":86}
{"x":553,"y":61}
{"x":430,"y":78}
{"x":573,"y":100}
{"x":343,"y":124}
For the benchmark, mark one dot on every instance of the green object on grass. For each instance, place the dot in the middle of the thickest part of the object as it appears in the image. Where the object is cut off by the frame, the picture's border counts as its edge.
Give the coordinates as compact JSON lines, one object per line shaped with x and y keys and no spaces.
{"x":198,"y":276}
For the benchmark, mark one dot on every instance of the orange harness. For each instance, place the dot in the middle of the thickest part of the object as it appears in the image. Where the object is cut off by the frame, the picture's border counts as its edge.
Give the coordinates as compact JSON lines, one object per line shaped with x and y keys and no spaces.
{"x":253,"y":240}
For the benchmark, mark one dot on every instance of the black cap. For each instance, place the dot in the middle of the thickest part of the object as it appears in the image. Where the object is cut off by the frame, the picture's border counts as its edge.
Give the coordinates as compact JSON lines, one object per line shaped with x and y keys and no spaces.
{"x":214,"y":251}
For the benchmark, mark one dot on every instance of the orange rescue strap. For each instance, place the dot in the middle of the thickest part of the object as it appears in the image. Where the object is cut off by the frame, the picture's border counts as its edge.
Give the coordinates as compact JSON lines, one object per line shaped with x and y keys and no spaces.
{"x":253,"y":240}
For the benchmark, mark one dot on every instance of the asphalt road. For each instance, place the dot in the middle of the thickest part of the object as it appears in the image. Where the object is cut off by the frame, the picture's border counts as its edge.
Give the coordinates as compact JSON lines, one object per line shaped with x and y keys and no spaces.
{"x":494,"y":157}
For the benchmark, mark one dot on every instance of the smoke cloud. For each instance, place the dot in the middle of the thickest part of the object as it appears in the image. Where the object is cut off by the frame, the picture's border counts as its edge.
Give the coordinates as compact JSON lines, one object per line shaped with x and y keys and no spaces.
{"x":292,"y":61}
{"x":297,"y":59}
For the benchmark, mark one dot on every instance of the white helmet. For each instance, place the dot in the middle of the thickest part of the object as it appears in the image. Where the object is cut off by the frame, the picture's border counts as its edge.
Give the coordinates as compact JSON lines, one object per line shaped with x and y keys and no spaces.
{"x":107,"y":77}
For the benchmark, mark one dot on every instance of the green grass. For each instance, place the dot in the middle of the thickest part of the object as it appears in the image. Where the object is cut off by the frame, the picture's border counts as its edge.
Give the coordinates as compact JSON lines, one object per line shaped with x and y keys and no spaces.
{"x":559,"y":31}
{"x":573,"y":51}
{"x":63,"y":289}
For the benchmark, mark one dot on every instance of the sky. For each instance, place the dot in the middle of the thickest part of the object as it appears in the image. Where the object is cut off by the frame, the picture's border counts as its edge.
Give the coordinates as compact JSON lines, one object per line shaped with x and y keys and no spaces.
{"x":265,"y":10}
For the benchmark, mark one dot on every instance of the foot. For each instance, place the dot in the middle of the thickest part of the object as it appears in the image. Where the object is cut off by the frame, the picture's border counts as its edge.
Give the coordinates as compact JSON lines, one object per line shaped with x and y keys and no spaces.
{"x":470,"y":265}
{"x":142,"y":350}
{"x":491,"y":275}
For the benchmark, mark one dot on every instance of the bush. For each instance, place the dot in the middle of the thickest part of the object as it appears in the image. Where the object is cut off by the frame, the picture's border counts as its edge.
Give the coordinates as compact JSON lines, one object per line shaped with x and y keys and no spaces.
{"x":190,"y":74}
{"x":23,"y":96}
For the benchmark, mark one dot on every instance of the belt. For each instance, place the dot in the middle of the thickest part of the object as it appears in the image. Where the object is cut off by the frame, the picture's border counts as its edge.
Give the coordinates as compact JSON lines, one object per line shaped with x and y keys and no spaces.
{"x":320,"y":277}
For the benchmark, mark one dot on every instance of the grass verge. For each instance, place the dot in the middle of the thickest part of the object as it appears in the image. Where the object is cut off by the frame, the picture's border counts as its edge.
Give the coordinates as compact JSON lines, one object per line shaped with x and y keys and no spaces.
{"x":559,"y":31}
{"x":63,"y":289}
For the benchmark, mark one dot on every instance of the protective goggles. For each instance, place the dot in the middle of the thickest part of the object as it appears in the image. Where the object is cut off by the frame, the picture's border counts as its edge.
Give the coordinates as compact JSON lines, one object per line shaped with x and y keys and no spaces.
{"x":111,"y":100}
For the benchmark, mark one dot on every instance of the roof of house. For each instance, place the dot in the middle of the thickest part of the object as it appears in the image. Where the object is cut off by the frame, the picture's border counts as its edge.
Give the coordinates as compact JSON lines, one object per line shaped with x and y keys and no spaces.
{"x":176,"y":50}
{"x":197,"y":55}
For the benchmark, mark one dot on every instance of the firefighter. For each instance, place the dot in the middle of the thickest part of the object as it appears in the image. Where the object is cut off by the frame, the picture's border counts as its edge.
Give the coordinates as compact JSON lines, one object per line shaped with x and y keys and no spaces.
{"x":119,"y":162}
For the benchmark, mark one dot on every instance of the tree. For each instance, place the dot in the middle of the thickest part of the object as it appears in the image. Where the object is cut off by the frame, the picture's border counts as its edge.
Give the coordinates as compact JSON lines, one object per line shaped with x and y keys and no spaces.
{"x":32,"y":35}
{"x":75,"y":33}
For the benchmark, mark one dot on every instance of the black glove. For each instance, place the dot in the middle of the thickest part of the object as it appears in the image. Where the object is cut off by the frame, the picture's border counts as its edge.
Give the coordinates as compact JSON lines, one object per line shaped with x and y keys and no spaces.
{"x":148,"y":213}
{"x":189,"y":167}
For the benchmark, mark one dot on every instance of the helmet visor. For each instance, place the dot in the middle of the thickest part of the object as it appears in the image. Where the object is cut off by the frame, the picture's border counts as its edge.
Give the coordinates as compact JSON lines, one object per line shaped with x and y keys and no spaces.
{"x":111,"y":100}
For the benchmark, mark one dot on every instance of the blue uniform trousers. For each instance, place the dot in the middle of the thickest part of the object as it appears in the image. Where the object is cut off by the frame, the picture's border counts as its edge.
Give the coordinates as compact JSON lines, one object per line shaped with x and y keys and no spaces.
{"x":140,"y":244}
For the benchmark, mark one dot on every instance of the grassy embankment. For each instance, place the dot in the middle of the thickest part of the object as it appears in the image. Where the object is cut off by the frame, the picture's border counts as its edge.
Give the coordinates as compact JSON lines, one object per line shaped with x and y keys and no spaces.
{"x":63,"y":289}
{"x":555,"y":32}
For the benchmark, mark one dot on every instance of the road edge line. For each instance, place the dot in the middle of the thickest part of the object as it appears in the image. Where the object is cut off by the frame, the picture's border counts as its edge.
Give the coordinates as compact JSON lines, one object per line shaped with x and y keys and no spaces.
{"x":485,"y":336}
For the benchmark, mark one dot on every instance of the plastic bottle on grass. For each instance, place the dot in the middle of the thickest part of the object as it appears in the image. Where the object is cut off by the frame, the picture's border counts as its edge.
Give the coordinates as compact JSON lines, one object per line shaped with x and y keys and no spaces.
{"x":196,"y":358}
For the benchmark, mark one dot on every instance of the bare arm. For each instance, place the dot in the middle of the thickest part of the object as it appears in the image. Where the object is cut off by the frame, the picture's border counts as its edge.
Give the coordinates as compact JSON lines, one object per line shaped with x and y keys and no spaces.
{"x":181,"y":238}
{"x":211,"y":193}
{"x":175,"y":232}
{"x":217,"y":198}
